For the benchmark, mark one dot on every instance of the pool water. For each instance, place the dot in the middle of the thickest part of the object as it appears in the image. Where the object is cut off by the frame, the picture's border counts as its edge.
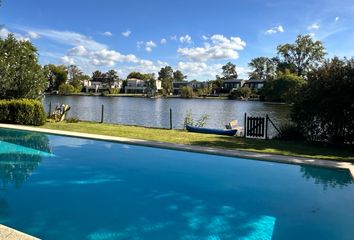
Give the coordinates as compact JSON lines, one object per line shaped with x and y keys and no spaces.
{"x":56,"y":187}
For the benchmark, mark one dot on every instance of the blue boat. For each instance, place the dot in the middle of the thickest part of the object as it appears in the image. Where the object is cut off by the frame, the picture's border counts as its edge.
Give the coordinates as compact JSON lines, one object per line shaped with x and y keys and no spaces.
{"x":228,"y":132}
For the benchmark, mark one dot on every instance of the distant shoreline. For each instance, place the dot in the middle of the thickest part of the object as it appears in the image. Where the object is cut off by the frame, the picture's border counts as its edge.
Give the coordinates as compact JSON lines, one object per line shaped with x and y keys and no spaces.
{"x":221,"y":97}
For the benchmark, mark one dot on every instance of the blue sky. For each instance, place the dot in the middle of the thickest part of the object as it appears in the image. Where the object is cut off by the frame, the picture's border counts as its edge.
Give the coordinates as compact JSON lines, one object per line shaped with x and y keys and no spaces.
{"x":195,"y":36}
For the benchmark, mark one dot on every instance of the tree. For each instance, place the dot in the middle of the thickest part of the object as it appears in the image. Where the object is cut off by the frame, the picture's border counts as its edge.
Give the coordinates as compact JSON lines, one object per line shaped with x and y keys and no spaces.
{"x":178,"y":76}
{"x":138,"y":75}
{"x":97,"y":74}
{"x":304,"y":55}
{"x":21,"y":76}
{"x":263,"y":68}
{"x":325,"y":107}
{"x":113,"y":74}
{"x":65,"y":89}
{"x":56,"y":75}
{"x":76,"y":76}
{"x":284,"y":88}
{"x":241,"y":93}
{"x":187,"y":92}
{"x":166,"y":77}
{"x":229,"y":71}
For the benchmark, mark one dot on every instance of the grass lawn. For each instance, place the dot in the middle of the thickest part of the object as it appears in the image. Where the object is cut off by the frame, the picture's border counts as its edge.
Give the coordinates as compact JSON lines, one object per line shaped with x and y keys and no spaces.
{"x":208,"y":140}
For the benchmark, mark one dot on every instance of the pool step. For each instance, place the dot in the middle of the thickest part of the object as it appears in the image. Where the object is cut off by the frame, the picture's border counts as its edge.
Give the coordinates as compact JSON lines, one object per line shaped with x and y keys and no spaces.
{"x":7,"y":233}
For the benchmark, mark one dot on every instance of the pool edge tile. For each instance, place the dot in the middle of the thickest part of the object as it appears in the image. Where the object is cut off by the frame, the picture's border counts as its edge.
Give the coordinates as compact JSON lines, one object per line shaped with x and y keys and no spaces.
{"x":7,"y":233}
{"x":200,"y":149}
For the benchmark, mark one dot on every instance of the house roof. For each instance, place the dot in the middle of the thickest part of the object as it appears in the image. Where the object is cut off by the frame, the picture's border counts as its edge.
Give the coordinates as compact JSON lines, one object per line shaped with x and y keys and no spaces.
{"x":234,"y":80}
{"x":256,"y":81}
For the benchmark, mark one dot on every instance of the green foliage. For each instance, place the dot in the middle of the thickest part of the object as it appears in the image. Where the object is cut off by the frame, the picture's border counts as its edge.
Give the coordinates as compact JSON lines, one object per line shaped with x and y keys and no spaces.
{"x":229,"y":71}
{"x":55,"y":75}
{"x":65,"y":89}
{"x":22,"y":111}
{"x":138,"y":75}
{"x":166,"y":77}
{"x":284,"y":88}
{"x":20,"y":74}
{"x":114,"y":90}
{"x":178,"y":76}
{"x":72,"y":120}
{"x":325,"y":108}
{"x":188,"y":120}
{"x":303,"y":55}
{"x":240,"y":93}
{"x":76,"y":76}
{"x":187,"y":92}
{"x":263,"y":68}
{"x":290,"y":132}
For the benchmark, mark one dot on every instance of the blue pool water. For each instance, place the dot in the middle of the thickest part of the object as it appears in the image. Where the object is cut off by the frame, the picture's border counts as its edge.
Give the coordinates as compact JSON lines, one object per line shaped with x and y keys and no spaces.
{"x":56,"y":187}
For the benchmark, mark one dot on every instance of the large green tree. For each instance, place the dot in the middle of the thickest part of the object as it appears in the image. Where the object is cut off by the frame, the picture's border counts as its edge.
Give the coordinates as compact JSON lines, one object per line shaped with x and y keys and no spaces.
{"x":303,"y":55}
{"x":229,"y":71}
{"x":325,"y":107}
{"x":56,"y":75}
{"x":76,"y":76}
{"x":284,"y":88}
{"x":21,"y":76}
{"x":178,"y":76}
{"x":166,"y":77}
{"x":263,"y":68}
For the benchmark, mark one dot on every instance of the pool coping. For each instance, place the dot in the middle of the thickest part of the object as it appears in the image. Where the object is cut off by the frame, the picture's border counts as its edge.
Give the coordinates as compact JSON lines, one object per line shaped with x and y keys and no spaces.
{"x":193,"y":148}
{"x":7,"y":233}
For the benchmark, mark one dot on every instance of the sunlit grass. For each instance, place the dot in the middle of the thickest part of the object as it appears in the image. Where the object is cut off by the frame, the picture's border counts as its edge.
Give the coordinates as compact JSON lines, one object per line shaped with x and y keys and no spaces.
{"x":208,"y":140}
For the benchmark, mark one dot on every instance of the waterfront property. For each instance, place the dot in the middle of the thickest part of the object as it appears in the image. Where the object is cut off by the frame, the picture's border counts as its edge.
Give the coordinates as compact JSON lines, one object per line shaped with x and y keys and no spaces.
{"x":232,"y":84}
{"x":178,"y":85}
{"x":123,"y":191}
{"x":101,"y":84}
{"x":255,"y":84}
{"x":135,"y":85}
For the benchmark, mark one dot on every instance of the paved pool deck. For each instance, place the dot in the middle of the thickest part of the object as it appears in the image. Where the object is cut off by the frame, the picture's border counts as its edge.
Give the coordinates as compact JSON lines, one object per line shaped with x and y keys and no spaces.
{"x":7,"y":233}
{"x":192,"y":148}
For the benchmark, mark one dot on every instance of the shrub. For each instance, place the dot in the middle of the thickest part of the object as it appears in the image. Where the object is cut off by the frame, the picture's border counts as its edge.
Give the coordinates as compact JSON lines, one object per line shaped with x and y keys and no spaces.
{"x":325,"y":108}
{"x":187,"y":92}
{"x":22,"y":111}
{"x":290,"y":132}
{"x":66,"y":89}
{"x":243,"y":93}
{"x":72,"y":120}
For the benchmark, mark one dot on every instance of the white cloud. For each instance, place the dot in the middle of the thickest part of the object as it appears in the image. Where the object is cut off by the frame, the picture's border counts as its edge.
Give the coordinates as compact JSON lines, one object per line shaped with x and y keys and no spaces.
{"x":70,"y":38}
{"x":205,"y":37}
{"x":219,"y":47}
{"x":108,"y":34}
{"x":185,"y":39}
{"x":4,"y":34}
{"x":149,"y":46}
{"x":314,"y":26}
{"x":174,"y":38}
{"x":78,"y":51}
{"x":163,"y":41}
{"x":336,"y":19}
{"x":67,"y":60}
{"x":278,"y":29}
{"x":33,"y":35}
{"x":126,"y":33}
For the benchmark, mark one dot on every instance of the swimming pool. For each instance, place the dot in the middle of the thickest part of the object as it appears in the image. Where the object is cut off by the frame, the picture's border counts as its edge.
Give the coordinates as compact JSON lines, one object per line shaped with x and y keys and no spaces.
{"x":56,"y":187}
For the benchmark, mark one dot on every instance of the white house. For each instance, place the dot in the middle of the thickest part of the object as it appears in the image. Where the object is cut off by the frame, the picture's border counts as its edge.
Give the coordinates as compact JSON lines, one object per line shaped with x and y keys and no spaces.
{"x":135,"y":85}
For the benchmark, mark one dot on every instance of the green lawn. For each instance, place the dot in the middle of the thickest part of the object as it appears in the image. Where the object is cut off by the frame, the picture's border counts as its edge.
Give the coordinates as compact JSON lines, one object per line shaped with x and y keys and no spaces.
{"x":183,"y":137}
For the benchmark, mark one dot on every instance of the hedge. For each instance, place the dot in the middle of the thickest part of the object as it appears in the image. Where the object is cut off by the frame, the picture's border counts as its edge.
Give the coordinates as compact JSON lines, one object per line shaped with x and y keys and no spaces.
{"x":22,"y":111}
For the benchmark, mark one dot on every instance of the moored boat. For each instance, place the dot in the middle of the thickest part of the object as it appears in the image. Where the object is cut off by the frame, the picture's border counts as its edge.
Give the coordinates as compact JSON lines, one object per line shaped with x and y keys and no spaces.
{"x":228,"y":132}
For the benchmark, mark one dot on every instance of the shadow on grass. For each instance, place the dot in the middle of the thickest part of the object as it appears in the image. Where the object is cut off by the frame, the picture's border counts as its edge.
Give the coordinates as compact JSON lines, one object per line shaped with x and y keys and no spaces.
{"x":290,"y":148}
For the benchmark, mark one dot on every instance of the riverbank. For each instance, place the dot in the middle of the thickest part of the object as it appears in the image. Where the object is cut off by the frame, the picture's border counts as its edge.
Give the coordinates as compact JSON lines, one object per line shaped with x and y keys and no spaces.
{"x":138,"y":95}
{"x":287,"y":148}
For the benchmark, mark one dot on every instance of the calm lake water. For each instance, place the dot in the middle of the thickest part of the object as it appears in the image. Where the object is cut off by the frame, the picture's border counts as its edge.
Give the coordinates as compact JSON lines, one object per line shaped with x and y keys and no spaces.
{"x":155,"y":112}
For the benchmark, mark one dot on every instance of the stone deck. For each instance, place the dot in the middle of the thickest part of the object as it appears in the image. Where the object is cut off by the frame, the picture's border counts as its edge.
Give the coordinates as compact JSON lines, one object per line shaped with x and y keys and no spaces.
{"x":7,"y":233}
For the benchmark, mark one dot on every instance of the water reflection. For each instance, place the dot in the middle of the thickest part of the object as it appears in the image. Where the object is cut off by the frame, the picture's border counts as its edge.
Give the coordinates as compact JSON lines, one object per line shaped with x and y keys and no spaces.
{"x":328,"y":178}
{"x":28,"y":149}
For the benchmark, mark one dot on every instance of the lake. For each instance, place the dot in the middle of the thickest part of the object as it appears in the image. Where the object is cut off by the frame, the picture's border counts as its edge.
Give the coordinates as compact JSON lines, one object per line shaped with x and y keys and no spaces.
{"x":155,"y":112}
